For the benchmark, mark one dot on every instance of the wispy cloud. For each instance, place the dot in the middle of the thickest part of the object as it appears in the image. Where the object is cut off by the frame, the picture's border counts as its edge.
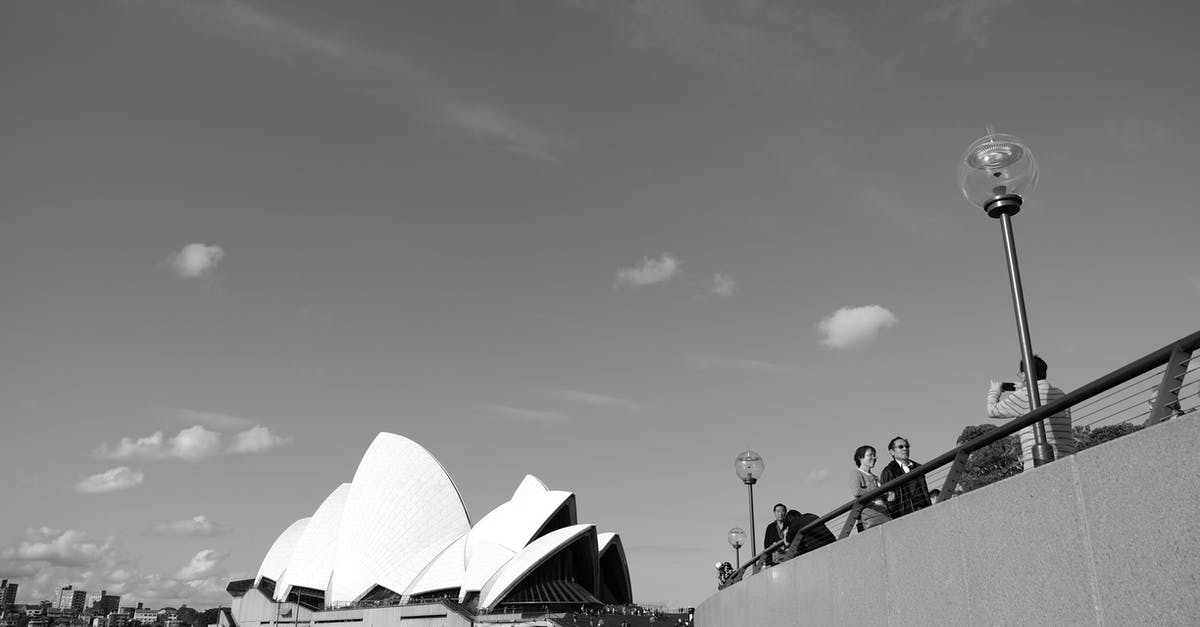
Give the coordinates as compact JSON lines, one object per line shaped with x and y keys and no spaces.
{"x":221,"y":422}
{"x":278,"y":37}
{"x":195,"y":260}
{"x":195,"y":527}
{"x":1194,"y":282}
{"x":854,"y":327}
{"x":723,"y":285}
{"x":968,"y":18}
{"x":650,"y":271}
{"x":595,"y":400}
{"x":768,"y":40}
{"x":390,"y":76}
{"x":519,"y":413}
{"x":703,"y":362}
{"x":120,"y":478}
{"x":256,"y":440}
{"x":817,"y":476}
{"x":493,"y":127}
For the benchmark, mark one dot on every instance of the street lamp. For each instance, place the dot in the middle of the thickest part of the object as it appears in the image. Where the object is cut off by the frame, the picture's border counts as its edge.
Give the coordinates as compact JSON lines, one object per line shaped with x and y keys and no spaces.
{"x":993,"y":173}
{"x":737,"y":538}
{"x":749,"y":467}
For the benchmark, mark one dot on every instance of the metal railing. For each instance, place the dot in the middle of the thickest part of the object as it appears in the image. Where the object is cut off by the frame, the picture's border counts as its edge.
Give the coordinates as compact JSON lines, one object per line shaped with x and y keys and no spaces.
{"x":1148,"y":390}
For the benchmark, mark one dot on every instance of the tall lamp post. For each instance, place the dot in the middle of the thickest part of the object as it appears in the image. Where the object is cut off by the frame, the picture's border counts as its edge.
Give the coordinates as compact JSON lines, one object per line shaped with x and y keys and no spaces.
{"x":749,"y":467}
{"x":994,"y":172}
{"x":737,"y":538}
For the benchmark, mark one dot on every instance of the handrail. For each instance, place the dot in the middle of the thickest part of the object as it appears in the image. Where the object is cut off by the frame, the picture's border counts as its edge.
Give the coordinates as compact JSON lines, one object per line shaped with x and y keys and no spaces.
{"x":1121,"y":375}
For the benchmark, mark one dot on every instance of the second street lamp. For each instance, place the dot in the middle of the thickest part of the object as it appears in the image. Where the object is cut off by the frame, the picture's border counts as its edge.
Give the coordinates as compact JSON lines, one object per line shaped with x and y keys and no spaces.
{"x":737,"y":538}
{"x":994,"y":172}
{"x":749,"y":467}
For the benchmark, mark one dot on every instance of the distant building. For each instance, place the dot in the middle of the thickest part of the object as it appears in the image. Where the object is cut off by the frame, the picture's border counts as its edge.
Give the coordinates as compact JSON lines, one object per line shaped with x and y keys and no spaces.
{"x":8,"y":593}
{"x":145,"y":616}
{"x":103,"y":603}
{"x":70,"y":600}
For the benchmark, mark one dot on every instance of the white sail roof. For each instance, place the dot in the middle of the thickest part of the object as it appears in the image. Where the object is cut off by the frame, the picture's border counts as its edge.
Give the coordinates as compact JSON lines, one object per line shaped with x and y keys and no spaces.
{"x":505,"y":531}
{"x":402,"y":510}
{"x":444,"y":572}
{"x":526,"y":561}
{"x":311,"y":563}
{"x":280,"y":553}
{"x":530,"y":484}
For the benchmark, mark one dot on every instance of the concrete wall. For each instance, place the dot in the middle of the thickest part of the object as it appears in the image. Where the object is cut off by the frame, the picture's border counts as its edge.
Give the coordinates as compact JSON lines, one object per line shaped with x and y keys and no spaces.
{"x":1110,"y":536}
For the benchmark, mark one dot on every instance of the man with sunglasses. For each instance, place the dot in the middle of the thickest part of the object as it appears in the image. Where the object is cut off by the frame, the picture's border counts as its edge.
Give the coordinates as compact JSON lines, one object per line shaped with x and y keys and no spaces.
{"x":910,"y":496}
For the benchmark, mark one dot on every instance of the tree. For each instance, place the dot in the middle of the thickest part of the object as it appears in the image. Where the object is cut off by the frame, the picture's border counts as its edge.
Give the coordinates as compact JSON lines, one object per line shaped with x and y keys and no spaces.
{"x":1087,"y":437}
{"x":991,"y":463}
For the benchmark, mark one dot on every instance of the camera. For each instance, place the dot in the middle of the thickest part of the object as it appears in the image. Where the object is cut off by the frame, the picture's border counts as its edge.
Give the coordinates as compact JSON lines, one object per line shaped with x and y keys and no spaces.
{"x":1008,"y":386}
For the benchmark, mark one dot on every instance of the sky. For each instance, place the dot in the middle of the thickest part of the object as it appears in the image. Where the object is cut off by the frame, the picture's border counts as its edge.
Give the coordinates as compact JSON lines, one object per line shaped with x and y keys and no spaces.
{"x":609,"y":244}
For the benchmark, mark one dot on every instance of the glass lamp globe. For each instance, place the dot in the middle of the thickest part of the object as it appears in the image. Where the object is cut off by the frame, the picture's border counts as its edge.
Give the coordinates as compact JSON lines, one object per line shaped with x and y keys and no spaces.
{"x":749,"y":466}
{"x":737,"y":537}
{"x":997,"y":166}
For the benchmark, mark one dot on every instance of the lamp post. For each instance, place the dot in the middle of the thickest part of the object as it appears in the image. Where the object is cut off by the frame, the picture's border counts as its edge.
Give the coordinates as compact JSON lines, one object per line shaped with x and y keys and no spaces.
{"x":993,"y":173}
{"x":749,"y":467}
{"x":737,"y":538}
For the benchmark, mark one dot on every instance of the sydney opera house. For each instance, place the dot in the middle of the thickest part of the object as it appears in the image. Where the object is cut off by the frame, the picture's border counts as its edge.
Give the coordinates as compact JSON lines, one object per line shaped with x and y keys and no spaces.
{"x":396,"y":546}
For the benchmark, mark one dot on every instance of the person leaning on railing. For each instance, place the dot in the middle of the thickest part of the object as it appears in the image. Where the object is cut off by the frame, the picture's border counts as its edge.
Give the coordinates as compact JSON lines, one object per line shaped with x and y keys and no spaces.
{"x":863,"y":481}
{"x":1016,"y":404}
{"x":800,"y":543}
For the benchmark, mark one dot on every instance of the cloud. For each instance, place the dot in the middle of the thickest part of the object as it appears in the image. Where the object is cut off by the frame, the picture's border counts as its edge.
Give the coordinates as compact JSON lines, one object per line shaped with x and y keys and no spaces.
{"x":192,"y":444}
{"x":650,"y":272}
{"x":195,"y":260}
{"x":750,"y":365}
{"x":722,"y":285}
{"x":46,"y":557}
{"x":120,"y":478}
{"x":194,"y":527}
{"x":203,"y":564}
{"x":209,"y":419}
{"x":595,"y":400}
{"x":57,"y":547}
{"x":532,"y":415}
{"x":969,"y":18}
{"x":1194,"y":282}
{"x":854,"y":327}
{"x":256,"y":440}
{"x":491,"y":126}
{"x":817,"y":476}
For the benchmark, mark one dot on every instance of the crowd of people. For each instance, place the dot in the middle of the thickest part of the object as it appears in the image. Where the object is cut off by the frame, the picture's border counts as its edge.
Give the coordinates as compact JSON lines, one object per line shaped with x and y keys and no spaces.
{"x":1005,"y":401}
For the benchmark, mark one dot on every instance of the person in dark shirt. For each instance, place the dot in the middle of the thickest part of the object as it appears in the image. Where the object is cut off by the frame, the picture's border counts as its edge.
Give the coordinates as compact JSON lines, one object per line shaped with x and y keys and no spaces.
{"x":775,"y":532}
{"x":911,"y":496}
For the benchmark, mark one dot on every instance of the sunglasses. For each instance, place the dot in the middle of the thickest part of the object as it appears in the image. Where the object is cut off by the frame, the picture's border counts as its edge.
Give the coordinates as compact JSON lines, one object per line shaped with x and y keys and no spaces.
{"x":903,"y":446}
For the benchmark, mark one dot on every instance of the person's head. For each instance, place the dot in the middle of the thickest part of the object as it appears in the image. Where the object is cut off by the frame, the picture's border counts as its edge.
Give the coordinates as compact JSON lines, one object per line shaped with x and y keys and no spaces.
{"x":898,"y":447}
{"x":864,"y":456}
{"x":1039,"y":367}
{"x":934,"y":494}
{"x":780,"y":511}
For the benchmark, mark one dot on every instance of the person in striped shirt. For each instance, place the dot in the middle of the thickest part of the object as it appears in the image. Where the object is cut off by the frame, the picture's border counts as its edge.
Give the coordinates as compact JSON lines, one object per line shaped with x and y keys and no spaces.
{"x":1016,"y":404}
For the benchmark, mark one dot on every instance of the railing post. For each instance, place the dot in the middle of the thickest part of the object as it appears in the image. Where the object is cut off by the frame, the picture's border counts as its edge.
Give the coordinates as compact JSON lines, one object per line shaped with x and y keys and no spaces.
{"x":1167,"y":399}
{"x":956,"y":469}
{"x":851,"y":518}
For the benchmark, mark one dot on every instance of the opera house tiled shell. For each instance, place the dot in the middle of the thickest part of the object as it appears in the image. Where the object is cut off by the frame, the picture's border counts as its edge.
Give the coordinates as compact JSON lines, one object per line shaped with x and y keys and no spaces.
{"x":400,"y":533}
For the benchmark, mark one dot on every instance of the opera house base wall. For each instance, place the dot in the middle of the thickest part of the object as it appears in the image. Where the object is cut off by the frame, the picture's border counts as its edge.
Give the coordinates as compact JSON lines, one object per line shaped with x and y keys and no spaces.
{"x":255,"y":609}
{"x":1108,"y":536}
